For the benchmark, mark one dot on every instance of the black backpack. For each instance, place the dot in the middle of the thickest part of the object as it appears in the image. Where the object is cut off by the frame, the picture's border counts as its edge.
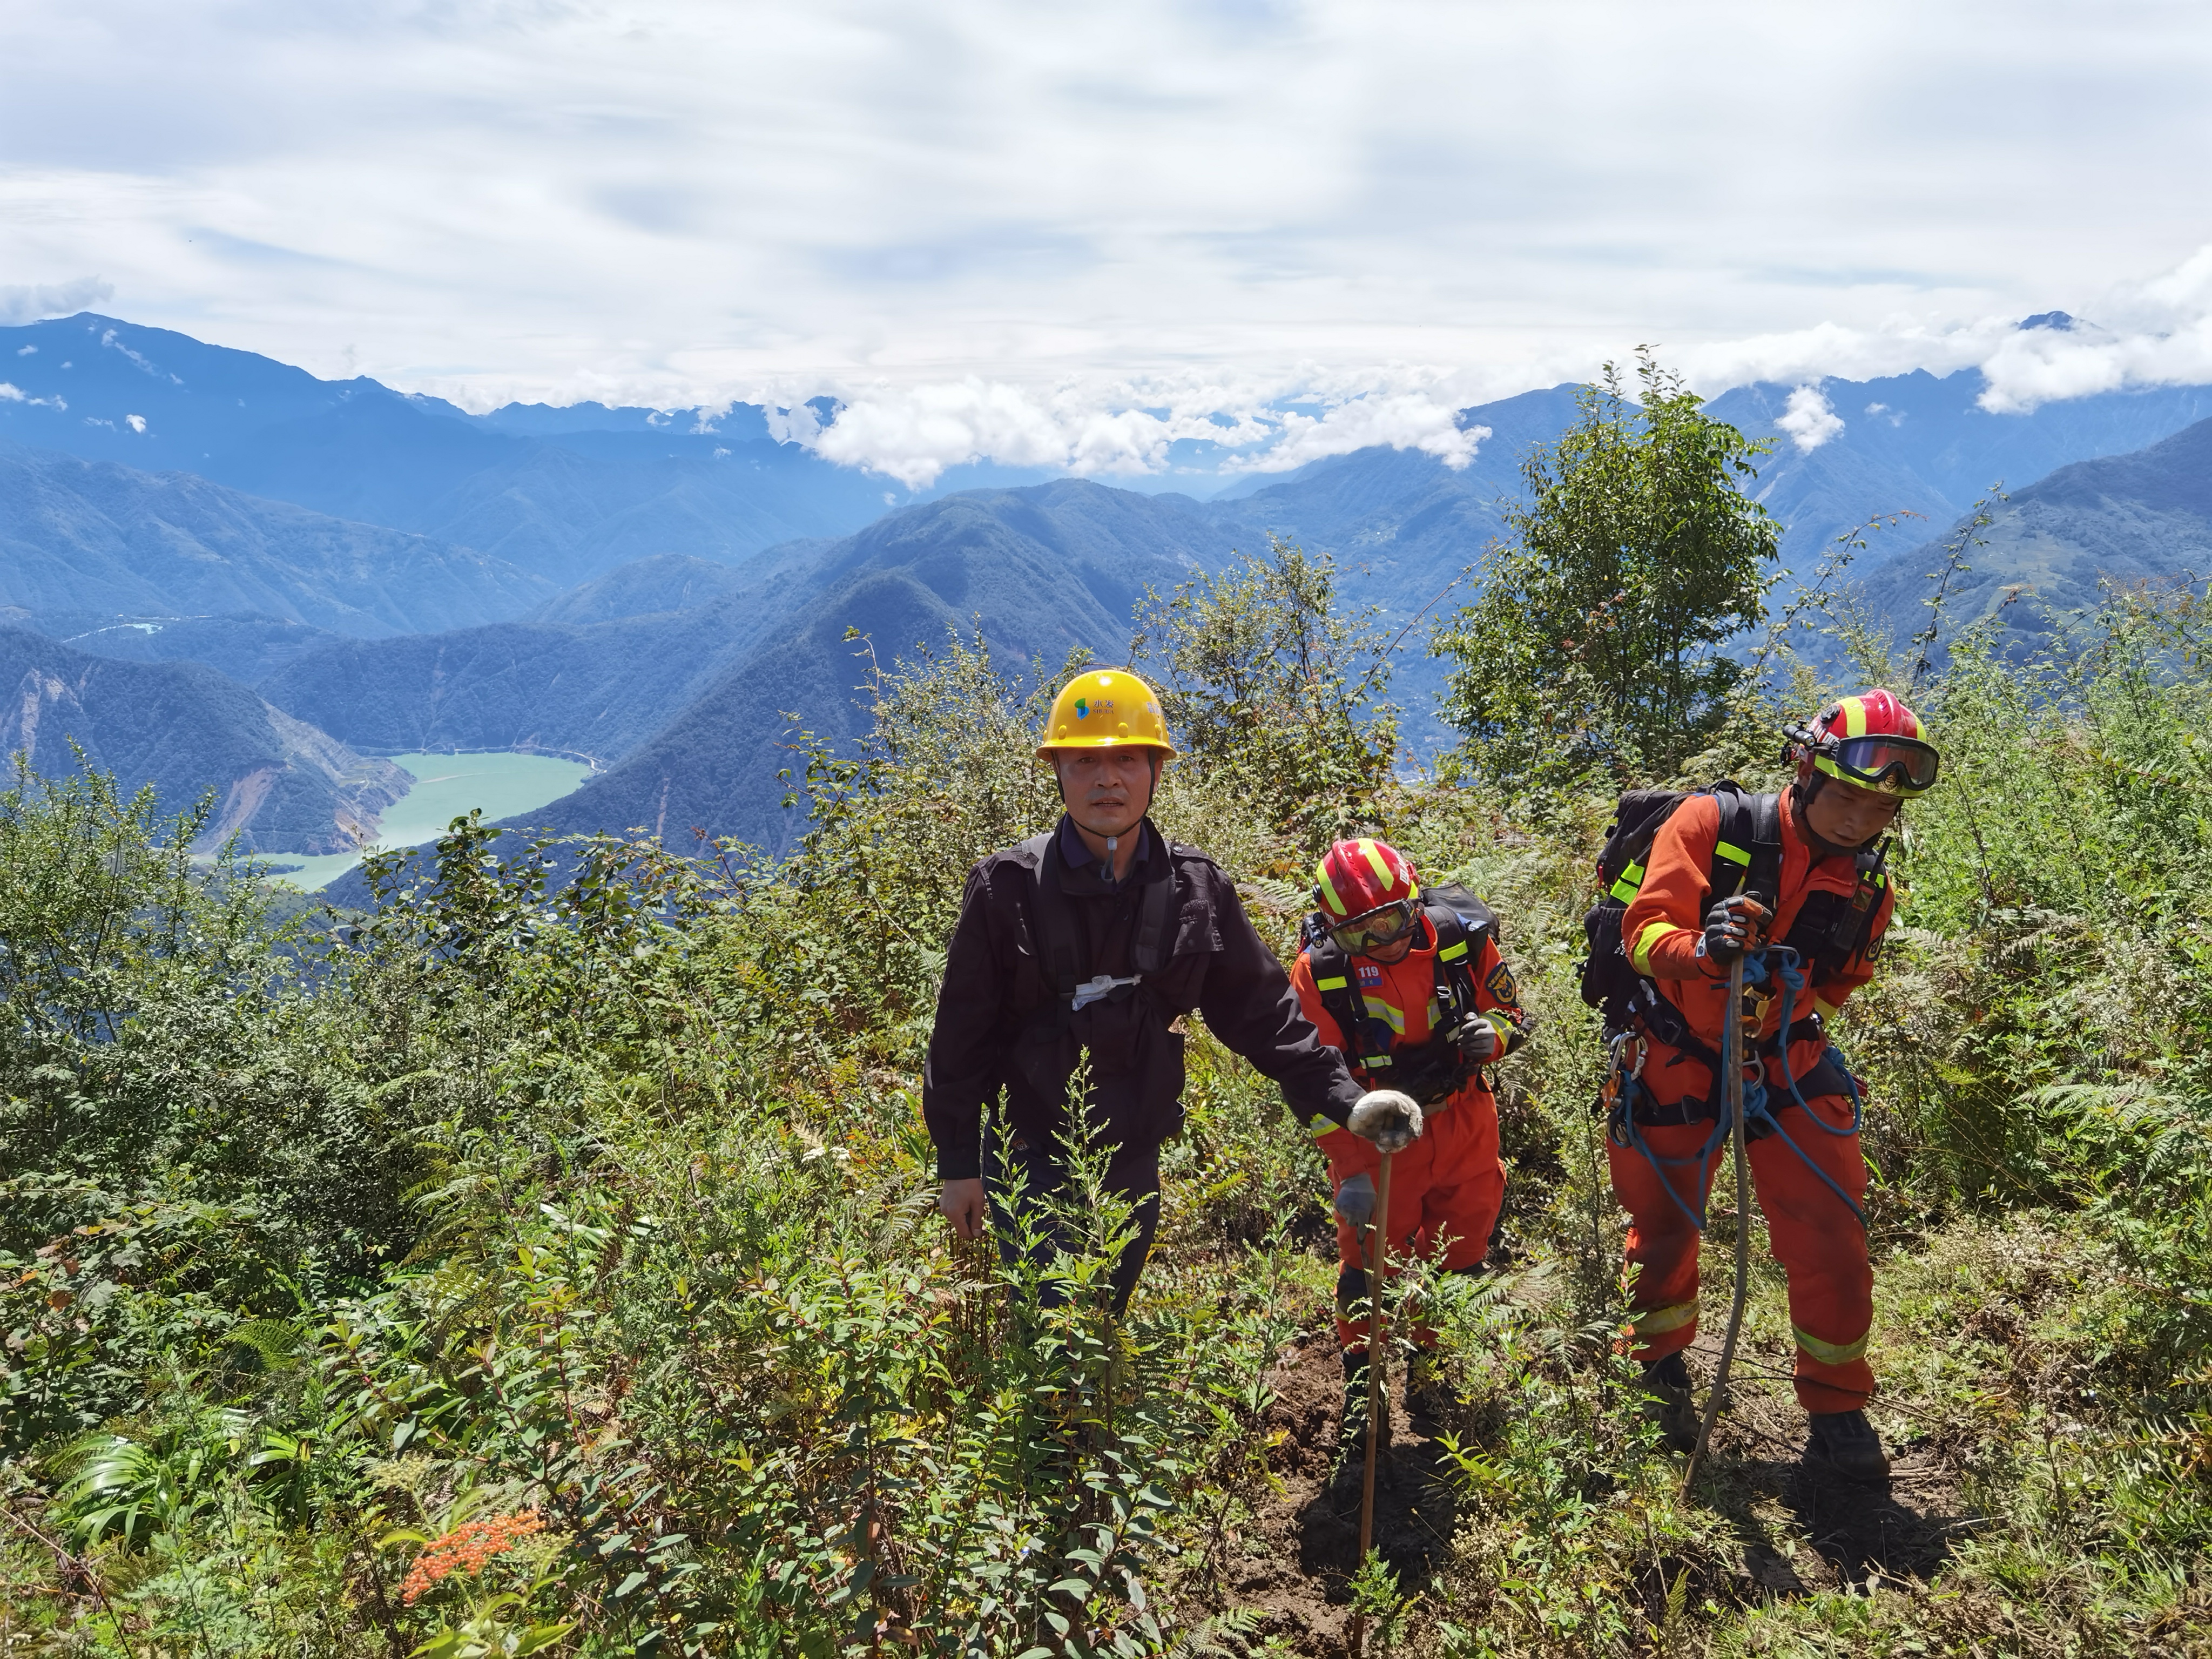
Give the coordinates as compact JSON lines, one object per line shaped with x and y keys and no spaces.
{"x":1830,"y":929}
{"x":1430,"y":1071}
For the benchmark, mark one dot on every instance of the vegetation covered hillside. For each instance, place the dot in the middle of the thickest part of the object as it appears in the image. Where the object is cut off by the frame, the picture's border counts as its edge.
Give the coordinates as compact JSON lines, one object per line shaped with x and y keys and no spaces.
{"x":532,"y":1266}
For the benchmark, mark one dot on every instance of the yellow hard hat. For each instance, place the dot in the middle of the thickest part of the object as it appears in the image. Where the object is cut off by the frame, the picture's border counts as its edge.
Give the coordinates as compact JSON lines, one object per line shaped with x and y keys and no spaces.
{"x":1105,"y":709}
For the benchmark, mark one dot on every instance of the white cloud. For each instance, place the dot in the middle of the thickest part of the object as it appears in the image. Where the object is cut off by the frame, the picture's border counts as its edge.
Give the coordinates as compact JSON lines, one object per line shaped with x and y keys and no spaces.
{"x":1809,"y":419}
{"x":27,"y":352}
{"x":16,"y":394}
{"x":1402,"y":421}
{"x":1099,"y":428}
{"x":136,"y":423}
{"x":27,"y":304}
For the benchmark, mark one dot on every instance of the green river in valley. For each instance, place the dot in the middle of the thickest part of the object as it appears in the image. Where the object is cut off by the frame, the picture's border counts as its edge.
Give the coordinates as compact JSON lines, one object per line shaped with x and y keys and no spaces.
{"x":445,"y":787}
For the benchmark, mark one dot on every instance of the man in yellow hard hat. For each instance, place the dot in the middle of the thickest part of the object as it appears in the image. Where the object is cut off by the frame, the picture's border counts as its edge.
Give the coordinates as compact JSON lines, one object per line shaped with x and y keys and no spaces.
{"x":1094,"y":939}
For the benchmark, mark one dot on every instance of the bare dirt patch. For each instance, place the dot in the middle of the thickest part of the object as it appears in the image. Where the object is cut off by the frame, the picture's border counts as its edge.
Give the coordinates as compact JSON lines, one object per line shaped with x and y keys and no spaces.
{"x":1296,"y":1562}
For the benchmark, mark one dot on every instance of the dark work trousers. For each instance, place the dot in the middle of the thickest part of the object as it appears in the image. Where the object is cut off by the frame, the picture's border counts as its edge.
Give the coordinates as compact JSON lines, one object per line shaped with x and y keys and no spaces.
{"x":1132,"y":1172}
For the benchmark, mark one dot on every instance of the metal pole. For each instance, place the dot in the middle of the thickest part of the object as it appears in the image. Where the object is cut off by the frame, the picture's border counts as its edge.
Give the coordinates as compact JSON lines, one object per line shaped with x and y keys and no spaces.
{"x":1732,"y":1060}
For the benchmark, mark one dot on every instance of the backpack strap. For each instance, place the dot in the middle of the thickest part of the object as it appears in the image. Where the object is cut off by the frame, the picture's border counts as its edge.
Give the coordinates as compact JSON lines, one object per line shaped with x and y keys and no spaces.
{"x":1063,"y":949}
{"x":1060,"y":949}
{"x":1458,"y":950}
{"x":1748,"y":851}
{"x":1845,"y":934}
{"x":1156,"y":907}
{"x":1331,"y":964}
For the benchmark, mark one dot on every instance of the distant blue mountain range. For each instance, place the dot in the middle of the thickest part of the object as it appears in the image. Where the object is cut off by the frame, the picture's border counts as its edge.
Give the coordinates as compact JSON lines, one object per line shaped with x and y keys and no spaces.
{"x":665,"y":595}
{"x":565,"y":495}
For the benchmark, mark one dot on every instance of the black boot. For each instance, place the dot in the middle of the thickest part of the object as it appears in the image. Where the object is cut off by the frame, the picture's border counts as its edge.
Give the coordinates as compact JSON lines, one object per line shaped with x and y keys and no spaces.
{"x":1350,"y":1473}
{"x":1666,"y":1386}
{"x":1429,"y":1395}
{"x":1847,"y":1444}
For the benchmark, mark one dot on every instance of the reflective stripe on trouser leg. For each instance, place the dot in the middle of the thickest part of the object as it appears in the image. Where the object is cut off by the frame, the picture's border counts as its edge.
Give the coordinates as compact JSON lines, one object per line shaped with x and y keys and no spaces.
{"x":1822,"y":1249}
{"x":1660,"y":1320}
{"x":1662,"y":1244}
{"x":1830,"y":1353}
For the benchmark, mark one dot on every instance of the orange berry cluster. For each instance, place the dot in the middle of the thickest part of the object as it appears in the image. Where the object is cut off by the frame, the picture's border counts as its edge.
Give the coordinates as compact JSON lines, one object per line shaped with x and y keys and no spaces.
{"x":467,"y":1548}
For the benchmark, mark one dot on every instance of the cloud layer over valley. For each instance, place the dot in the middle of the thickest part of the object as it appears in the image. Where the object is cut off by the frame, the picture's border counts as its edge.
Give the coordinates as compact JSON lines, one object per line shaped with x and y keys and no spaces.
{"x":1216,"y":237}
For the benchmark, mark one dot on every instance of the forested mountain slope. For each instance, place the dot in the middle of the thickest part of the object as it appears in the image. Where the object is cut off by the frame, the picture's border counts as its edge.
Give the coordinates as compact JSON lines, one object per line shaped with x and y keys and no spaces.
{"x":280,"y":784}
{"x":2126,"y":518}
{"x":596,"y":689}
{"x":248,"y":648}
{"x":80,"y":536}
{"x":1913,"y":442}
{"x":666,"y":582}
{"x":1041,"y":572}
{"x":694,"y":706}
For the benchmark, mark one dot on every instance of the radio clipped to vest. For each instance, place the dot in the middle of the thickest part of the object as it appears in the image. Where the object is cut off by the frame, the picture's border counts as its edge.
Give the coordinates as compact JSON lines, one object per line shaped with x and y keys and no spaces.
{"x":1432,"y":1070}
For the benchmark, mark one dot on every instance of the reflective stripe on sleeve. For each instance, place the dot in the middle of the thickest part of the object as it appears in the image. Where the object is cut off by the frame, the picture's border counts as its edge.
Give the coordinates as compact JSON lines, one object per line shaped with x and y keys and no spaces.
{"x":1830,"y":1353}
{"x":1640,"y":956}
{"x":1321,"y":1125}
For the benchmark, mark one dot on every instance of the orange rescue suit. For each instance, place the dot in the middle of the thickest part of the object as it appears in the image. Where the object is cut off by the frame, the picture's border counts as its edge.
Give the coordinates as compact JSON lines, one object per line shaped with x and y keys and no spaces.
{"x":1447,"y":1187}
{"x":1818,"y":1242}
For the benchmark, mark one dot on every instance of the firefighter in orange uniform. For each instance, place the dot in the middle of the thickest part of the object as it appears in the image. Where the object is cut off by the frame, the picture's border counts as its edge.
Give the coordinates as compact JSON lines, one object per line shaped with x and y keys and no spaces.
{"x":1822,"y":893}
{"x":1409,"y":985}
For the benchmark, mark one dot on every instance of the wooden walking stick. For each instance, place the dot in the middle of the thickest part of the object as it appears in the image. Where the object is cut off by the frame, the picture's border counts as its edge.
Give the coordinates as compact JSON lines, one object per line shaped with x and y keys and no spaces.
{"x":1375,"y":1351}
{"x":1732,"y":1059}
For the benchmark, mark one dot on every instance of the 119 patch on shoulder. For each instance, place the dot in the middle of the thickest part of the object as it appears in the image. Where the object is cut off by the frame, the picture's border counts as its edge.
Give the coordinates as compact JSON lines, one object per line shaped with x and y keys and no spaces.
{"x":1500,"y":985}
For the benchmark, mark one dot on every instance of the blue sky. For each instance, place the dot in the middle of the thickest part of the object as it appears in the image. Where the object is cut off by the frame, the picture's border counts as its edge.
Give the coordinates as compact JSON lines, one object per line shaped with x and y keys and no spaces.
{"x":1066,"y":234}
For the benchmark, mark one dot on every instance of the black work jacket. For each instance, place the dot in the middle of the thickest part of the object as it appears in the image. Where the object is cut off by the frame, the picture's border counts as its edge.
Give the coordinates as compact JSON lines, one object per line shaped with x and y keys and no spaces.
{"x":998,"y":1028}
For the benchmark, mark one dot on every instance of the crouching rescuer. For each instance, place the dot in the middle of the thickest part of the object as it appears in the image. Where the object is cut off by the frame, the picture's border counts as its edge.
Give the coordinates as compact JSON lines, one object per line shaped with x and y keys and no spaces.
{"x":1794,"y":886}
{"x":1088,"y":944}
{"x":1407,"y":983}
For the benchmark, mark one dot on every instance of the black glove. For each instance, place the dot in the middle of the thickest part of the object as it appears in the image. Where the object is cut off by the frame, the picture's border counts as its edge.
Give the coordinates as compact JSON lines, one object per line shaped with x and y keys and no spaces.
{"x":1478,"y":1039}
{"x":1733,"y":926}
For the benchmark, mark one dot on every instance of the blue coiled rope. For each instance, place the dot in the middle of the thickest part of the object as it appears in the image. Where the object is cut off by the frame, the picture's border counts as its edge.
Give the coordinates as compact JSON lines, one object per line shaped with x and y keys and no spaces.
{"x":1759,"y":1119}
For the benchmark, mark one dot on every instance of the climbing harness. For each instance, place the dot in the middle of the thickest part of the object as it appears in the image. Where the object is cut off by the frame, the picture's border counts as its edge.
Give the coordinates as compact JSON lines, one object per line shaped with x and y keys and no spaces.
{"x":1759,"y":1119}
{"x":1430,"y":1072}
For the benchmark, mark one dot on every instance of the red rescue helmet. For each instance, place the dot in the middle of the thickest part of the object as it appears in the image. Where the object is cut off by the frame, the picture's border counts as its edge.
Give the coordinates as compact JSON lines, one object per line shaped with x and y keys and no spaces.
{"x":1366,"y":889}
{"x":1872,"y":740}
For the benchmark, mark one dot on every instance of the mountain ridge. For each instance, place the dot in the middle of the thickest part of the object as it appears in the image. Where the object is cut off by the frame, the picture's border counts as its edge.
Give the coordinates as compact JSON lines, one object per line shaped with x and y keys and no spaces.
{"x":280,"y":784}
{"x":81,"y":537}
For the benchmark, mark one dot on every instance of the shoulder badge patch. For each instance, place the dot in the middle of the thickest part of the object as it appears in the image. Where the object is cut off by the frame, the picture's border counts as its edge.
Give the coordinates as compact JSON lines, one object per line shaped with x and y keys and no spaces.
{"x":1500,"y":984}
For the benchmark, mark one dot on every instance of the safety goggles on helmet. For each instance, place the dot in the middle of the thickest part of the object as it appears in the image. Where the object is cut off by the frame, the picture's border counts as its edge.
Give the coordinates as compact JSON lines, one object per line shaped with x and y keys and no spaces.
{"x":1377,"y":929}
{"x":1896,"y":766}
